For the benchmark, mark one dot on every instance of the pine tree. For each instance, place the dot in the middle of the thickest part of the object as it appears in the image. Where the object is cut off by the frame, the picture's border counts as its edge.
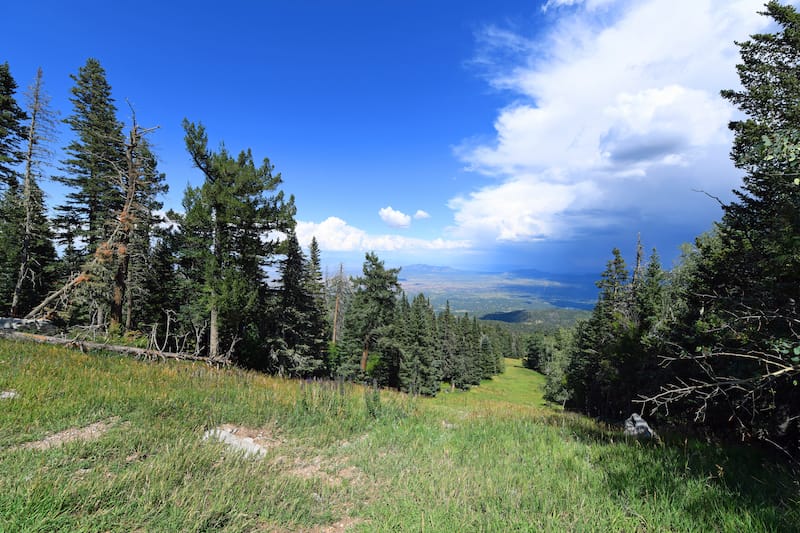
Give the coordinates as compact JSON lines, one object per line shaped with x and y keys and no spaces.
{"x":95,"y":159}
{"x":735,"y":338}
{"x":94,"y":165}
{"x":164,"y":283}
{"x":420,"y":369}
{"x":370,"y":314}
{"x":226,"y":246}
{"x":12,"y":131}
{"x":12,"y":213}
{"x":594,"y":371}
{"x":473,"y":357}
{"x":318,"y":304}
{"x":298,"y":344}
{"x":453,"y":365}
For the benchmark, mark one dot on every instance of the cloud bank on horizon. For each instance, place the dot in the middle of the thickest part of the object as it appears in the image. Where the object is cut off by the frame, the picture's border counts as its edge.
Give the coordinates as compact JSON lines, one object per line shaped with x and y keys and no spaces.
{"x":614,"y":111}
{"x":335,"y":235}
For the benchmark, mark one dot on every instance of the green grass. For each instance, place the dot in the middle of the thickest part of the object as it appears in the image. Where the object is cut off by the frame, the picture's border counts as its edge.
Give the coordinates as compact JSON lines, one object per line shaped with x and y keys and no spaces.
{"x":517,"y":385}
{"x":495,"y":458}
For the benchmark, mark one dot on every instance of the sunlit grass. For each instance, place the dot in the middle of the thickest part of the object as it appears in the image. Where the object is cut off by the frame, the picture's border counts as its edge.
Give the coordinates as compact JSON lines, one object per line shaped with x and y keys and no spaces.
{"x":495,"y":458}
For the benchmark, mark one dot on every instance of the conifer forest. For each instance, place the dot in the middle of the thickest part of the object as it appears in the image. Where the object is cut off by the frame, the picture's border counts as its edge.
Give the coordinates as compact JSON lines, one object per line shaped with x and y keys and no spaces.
{"x":712,"y":343}
{"x":225,"y":279}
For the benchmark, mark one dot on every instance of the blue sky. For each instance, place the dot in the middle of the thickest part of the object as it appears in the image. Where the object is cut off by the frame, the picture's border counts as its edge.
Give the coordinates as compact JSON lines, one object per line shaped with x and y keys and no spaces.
{"x":474,"y":134}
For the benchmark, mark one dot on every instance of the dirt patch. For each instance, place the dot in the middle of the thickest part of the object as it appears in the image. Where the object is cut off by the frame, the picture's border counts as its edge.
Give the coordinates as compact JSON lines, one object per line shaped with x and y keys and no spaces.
{"x":318,"y":468}
{"x":349,"y":473}
{"x":339,"y":526}
{"x":315,"y":470}
{"x":342,"y":525}
{"x":86,"y":433}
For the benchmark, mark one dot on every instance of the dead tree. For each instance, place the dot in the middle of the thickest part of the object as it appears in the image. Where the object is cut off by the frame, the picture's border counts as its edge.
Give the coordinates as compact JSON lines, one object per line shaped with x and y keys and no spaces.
{"x":341,"y":288}
{"x":115,"y":248}
{"x":40,"y":131}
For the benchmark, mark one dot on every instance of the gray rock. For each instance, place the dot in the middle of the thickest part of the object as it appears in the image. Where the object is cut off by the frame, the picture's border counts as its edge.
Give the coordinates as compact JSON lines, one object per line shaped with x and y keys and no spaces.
{"x":636,"y":426}
{"x":38,"y":325}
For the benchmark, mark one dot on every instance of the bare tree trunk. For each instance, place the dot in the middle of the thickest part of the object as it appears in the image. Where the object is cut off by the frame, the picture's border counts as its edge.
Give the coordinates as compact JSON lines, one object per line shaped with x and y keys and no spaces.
{"x":125,"y":224}
{"x":637,"y":271}
{"x":120,"y":278}
{"x":27,"y":234}
{"x":101,"y":316}
{"x":129,"y":304}
{"x":213,"y":327}
{"x":213,"y":332}
{"x":341,"y":293}
{"x":364,"y":357}
{"x":335,"y":317}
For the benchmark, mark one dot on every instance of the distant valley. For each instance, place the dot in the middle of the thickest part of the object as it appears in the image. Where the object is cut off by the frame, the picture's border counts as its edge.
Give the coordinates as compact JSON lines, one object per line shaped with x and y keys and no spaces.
{"x":518,"y":297}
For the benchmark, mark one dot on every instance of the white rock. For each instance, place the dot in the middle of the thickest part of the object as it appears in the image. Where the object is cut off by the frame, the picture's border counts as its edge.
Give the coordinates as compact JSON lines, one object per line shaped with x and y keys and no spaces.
{"x":244,"y":444}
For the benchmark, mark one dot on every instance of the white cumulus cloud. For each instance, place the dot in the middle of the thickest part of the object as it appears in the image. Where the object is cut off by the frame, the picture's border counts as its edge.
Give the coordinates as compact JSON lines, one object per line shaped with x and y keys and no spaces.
{"x":421,"y":215}
{"x":602,"y":105}
{"x":335,"y":235}
{"x":394,"y":218}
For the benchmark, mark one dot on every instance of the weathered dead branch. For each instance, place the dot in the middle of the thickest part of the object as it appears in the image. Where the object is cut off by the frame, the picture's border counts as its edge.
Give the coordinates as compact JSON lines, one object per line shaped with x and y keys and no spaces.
{"x":89,"y":345}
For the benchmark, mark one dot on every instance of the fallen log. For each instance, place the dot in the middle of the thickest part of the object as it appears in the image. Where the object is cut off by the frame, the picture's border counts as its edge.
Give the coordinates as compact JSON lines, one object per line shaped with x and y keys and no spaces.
{"x":89,"y":345}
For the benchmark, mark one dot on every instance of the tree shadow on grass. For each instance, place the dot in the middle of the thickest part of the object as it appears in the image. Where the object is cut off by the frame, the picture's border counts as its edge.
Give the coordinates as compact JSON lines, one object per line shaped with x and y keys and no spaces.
{"x":713,"y":486}
{"x":720,"y":487}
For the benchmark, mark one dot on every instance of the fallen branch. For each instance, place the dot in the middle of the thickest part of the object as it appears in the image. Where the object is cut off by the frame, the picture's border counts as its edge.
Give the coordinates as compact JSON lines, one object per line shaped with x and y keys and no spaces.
{"x":76,"y":279}
{"x":87,"y":345}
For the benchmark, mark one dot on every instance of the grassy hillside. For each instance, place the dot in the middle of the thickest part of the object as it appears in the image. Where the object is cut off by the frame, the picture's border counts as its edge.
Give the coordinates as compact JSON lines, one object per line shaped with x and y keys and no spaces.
{"x":105,"y":443}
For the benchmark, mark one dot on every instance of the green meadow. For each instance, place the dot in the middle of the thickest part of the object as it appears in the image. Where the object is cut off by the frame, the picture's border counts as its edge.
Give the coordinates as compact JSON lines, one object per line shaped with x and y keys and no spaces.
{"x":96,"y":442}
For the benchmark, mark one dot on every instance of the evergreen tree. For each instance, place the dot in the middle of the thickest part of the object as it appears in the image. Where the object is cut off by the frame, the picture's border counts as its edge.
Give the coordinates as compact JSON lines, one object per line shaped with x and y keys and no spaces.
{"x":226,"y":245}
{"x":315,"y":287}
{"x":487,"y":358}
{"x":12,"y":213}
{"x":420,"y":371}
{"x":94,"y":168}
{"x":736,"y":331}
{"x":536,"y":351}
{"x":12,"y":131}
{"x":471,"y":332}
{"x":453,"y":365}
{"x":94,"y":160}
{"x":298,"y":345}
{"x":614,"y":359}
{"x":554,"y":363}
{"x":594,"y":372}
{"x":164,"y":282}
{"x":370,"y":315}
